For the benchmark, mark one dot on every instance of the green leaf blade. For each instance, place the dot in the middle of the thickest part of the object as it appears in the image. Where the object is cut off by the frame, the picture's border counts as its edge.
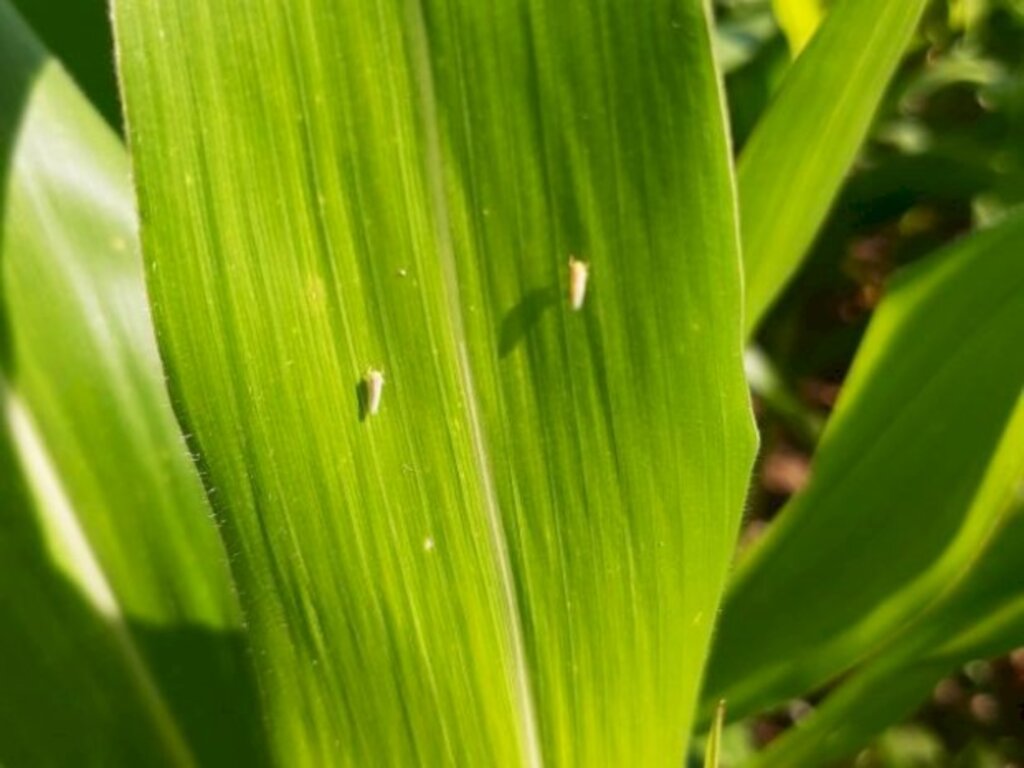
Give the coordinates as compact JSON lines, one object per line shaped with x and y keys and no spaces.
{"x":979,"y":614}
{"x":713,"y":749}
{"x":918,"y":422}
{"x":800,"y":151}
{"x":545,"y":497}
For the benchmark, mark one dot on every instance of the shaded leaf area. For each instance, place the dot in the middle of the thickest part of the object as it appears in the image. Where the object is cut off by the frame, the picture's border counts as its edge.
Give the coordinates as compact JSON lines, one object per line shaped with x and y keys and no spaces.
{"x":887,"y":518}
{"x":519,"y":557}
{"x":69,"y":697}
{"x":801,"y":149}
{"x":130,"y":543}
{"x":981,"y":614}
{"x":79,"y":34}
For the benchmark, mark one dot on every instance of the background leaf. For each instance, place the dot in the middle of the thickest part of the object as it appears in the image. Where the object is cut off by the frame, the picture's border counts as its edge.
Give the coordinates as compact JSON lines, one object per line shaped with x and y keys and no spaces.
{"x":792,"y":166}
{"x":112,"y":547}
{"x":70,"y":689}
{"x":520,"y":556}
{"x":980,"y":615}
{"x":886,"y":521}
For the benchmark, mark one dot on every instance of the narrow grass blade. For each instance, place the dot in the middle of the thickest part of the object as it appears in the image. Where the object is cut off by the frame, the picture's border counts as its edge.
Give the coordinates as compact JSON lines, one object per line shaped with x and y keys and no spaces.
{"x":712,"y":753}
{"x":119,"y":513}
{"x":801,"y":149}
{"x":517,"y":559}
{"x":887,"y":520}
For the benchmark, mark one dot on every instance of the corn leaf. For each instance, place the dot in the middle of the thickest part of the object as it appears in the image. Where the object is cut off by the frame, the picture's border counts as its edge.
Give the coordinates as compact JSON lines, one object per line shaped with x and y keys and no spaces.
{"x":800,"y":150}
{"x":116,"y":602}
{"x":887,"y":520}
{"x":518,"y":558}
{"x":980,"y":615}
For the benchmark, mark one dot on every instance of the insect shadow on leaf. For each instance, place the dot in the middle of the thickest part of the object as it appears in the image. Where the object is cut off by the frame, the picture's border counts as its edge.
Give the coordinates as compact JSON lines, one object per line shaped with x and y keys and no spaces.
{"x":523,"y":316}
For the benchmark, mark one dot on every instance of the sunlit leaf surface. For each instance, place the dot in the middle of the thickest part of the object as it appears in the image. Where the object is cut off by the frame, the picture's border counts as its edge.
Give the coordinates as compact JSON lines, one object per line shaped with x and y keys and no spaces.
{"x":518,"y":558}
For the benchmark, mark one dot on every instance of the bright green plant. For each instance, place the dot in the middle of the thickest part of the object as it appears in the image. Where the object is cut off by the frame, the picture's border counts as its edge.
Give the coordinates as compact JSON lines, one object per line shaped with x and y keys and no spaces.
{"x":520,"y":558}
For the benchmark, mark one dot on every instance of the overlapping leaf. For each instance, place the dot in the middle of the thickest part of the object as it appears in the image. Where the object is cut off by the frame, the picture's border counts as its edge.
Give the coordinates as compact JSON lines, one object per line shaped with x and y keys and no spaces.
{"x":981,"y":615}
{"x":887,"y":520}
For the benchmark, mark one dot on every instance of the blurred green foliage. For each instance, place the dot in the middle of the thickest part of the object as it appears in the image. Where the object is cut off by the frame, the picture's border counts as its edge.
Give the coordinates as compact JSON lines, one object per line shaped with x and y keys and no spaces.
{"x":945,"y":156}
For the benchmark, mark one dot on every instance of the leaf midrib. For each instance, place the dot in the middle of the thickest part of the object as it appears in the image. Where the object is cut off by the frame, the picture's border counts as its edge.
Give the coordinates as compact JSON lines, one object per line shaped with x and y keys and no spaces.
{"x":419,"y":42}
